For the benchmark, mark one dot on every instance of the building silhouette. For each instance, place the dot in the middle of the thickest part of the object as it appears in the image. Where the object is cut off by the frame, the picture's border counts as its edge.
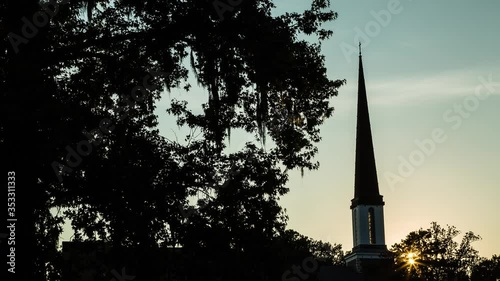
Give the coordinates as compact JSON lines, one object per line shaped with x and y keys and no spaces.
{"x":369,"y":254}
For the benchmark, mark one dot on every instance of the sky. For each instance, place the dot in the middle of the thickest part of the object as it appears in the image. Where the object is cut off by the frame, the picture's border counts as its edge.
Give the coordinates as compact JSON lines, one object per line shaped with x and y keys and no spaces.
{"x":432,"y":72}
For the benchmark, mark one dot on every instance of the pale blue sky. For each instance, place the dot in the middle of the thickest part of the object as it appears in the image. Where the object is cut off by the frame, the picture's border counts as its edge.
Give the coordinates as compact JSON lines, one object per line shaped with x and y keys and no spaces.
{"x":426,"y":59}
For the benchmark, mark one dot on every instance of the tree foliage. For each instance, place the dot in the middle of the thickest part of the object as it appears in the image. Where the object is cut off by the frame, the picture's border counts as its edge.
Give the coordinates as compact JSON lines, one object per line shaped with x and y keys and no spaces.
{"x":487,"y":269}
{"x":324,"y":251}
{"x":111,"y":61}
{"x":436,"y":254}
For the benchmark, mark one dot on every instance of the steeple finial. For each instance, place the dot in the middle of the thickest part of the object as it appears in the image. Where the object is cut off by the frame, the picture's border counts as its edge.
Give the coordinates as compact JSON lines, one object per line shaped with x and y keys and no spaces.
{"x":359,"y":49}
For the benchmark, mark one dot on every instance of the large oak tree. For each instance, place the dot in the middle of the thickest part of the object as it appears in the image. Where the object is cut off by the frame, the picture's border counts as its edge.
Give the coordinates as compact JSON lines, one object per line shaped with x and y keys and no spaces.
{"x":78,"y":126}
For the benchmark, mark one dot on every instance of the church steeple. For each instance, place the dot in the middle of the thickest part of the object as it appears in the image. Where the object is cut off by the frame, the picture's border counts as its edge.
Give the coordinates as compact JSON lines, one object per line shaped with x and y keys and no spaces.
{"x":366,"y":190}
{"x":369,"y":253}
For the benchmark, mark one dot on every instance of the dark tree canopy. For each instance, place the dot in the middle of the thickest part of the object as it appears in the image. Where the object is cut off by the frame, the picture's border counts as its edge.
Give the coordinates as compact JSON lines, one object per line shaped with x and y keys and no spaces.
{"x":435,"y":254}
{"x":83,"y":88}
{"x":487,"y":269}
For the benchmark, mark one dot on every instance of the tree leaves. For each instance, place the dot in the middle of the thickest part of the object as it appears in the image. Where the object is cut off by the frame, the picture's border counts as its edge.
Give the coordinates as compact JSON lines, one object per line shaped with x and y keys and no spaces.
{"x":87,"y":70}
{"x":438,"y":256}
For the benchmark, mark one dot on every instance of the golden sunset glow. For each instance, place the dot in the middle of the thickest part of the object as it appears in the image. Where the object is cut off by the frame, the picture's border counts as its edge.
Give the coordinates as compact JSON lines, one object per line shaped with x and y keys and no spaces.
{"x":411,"y":259}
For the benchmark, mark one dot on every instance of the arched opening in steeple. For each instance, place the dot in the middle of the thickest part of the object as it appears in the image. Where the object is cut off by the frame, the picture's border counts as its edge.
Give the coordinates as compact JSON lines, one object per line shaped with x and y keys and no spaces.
{"x":355,"y":227}
{"x":371,"y":225}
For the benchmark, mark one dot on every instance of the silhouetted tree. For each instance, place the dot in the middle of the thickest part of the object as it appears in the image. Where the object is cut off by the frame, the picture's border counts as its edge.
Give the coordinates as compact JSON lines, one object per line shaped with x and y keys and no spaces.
{"x":294,"y":250}
{"x":324,"y":251}
{"x":434,"y":254}
{"x":486,"y":269}
{"x":74,"y":75}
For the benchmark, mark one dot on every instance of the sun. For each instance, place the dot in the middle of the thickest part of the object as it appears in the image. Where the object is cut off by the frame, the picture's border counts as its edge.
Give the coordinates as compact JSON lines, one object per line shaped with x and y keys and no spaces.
{"x":411,"y":258}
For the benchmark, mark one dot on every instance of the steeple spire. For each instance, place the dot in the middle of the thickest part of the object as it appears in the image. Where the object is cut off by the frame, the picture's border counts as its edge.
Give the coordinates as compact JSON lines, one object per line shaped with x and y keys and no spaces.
{"x":366,"y":190}
{"x":369,"y":254}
